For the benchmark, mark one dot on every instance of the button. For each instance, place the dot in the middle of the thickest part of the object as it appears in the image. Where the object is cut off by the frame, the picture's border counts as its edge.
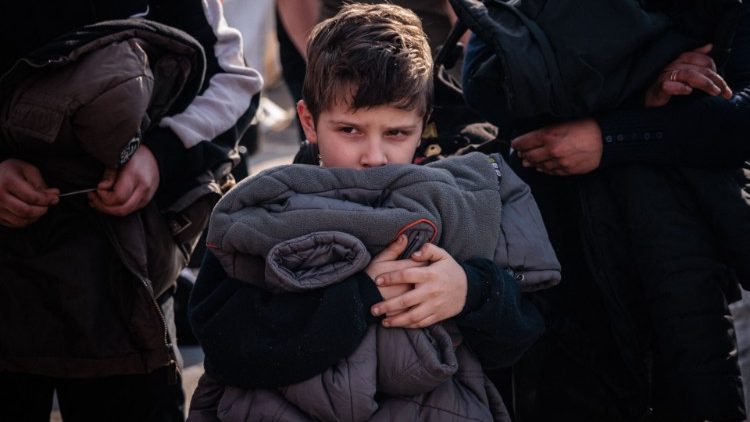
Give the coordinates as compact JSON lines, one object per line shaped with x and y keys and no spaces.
{"x":647,"y":136}
{"x":620,"y":137}
{"x":608,"y":139}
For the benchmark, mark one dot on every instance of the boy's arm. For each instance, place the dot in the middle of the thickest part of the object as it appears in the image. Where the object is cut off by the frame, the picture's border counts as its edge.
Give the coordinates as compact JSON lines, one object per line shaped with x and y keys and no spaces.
{"x":252,"y":338}
{"x":497,"y":322}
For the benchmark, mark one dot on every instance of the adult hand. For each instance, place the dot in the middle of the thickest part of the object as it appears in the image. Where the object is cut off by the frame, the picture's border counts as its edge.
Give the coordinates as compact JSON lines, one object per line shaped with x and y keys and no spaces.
{"x":439,"y":291}
{"x":568,"y":148}
{"x":122,"y":192}
{"x":387,"y":261}
{"x":691,"y":70}
{"x":24,"y":196}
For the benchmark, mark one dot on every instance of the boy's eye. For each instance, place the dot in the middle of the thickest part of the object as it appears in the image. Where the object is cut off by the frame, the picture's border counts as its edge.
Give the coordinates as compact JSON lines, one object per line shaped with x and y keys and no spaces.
{"x":348,"y":129}
{"x":397,"y":132}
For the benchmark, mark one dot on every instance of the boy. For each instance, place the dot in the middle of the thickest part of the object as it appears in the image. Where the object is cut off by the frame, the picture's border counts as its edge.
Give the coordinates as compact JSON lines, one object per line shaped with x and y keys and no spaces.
{"x":367,"y":94}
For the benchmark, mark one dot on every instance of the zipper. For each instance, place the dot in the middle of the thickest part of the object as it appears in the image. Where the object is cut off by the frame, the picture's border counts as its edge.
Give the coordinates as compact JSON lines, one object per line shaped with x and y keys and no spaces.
{"x":172,"y":362}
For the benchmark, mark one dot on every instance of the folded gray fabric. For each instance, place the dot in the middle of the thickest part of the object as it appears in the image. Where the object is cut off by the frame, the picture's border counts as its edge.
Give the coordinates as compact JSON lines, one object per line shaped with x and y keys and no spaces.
{"x":456,"y":203}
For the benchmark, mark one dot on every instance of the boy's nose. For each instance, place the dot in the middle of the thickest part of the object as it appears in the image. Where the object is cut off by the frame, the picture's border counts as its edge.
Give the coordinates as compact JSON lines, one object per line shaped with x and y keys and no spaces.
{"x":374,"y":156}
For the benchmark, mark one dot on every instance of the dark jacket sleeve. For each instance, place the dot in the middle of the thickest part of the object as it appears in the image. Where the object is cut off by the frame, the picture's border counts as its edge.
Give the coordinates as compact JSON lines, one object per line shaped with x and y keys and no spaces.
{"x":497,"y":322}
{"x":697,"y":130}
{"x":202,"y":134}
{"x":252,"y":338}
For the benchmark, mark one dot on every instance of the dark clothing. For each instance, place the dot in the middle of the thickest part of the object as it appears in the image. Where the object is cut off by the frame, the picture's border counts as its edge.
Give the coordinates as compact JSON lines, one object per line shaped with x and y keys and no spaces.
{"x":79,"y":286}
{"x":641,"y":321}
{"x":123,"y":398}
{"x":79,"y":297}
{"x":544,"y":66}
{"x":262,"y":347}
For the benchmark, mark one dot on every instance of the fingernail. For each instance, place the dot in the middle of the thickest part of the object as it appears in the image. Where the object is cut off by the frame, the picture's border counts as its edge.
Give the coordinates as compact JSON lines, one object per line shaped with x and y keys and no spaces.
{"x":386,"y":323}
{"x":417,"y":254}
{"x":376,"y":311}
{"x":379,"y":281}
{"x":525,"y":163}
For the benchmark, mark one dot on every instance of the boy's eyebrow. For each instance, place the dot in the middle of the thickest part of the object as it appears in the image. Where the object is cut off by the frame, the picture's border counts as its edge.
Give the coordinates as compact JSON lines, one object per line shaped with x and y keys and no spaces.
{"x":348,"y":123}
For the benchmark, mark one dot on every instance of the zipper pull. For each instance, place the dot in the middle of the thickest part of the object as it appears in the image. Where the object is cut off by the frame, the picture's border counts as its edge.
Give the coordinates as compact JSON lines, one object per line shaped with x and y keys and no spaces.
{"x":173,"y":372}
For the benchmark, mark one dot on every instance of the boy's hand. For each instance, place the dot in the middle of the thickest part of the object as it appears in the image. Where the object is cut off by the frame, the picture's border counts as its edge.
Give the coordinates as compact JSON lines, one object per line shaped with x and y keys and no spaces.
{"x":24,"y":196}
{"x":439,"y":292}
{"x":121,"y":192}
{"x":691,"y":70}
{"x":387,"y":261}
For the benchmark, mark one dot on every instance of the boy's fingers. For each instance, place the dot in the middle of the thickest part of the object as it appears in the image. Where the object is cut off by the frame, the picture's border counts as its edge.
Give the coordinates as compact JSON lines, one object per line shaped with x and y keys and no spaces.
{"x":430,"y":320}
{"x":429,"y":253}
{"x":412,"y":318}
{"x":409,"y":275}
{"x":393,"y":250}
{"x":396,"y":304}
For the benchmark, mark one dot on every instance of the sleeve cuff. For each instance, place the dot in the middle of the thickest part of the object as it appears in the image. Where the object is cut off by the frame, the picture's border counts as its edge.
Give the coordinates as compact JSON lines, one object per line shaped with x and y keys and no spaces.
{"x":167,"y":149}
{"x":477,"y":288}
{"x":369,"y":294}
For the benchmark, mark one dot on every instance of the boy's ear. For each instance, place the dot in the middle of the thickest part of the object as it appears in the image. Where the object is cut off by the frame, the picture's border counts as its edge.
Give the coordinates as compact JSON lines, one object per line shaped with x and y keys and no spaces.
{"x":307,"y":121}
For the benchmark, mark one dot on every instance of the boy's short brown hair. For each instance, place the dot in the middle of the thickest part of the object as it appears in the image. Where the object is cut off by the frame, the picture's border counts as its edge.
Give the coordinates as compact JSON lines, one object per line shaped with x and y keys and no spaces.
{"x":367,"y":56}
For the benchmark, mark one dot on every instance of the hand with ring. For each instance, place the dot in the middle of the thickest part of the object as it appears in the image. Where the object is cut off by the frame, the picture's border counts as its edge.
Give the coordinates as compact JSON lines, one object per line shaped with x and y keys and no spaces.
{"x":691,"y":70}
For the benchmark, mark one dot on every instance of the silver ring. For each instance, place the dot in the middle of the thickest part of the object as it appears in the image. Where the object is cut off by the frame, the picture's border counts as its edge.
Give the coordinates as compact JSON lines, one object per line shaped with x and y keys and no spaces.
{"x":673,"y":75}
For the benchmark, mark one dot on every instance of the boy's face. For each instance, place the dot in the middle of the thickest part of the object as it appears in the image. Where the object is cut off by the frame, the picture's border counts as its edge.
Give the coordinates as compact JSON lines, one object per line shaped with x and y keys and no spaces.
{"x":367,"y":137}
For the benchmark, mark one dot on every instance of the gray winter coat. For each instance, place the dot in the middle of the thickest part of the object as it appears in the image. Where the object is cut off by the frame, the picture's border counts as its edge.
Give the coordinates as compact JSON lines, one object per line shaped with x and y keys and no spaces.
{"x":303,"y":227}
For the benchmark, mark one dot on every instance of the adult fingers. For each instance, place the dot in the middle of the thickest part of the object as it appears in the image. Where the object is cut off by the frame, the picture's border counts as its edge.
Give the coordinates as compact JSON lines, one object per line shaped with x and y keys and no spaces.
{"x":135,"y":202}
{"x":33,"y":176}
{"x":27,"y":193}
{"x":121,"y":192}
{"x":22,"y":209}
{"x":704,"y":49}
{"x":699,"y":78}
{"x":535,"y":156}
{"x":8,"y":219}
{"x":108,"y":179}
{"x":697,"y":59}
{"x":528,"y":141}
{"x":670,"y":88}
